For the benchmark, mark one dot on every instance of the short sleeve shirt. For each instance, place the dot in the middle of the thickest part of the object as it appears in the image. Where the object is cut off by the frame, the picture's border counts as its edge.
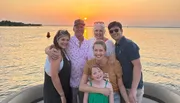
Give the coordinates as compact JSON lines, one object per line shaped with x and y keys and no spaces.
{"x":78,"y":57}
{"x":114,"y":71}
{"x":127,"y":51}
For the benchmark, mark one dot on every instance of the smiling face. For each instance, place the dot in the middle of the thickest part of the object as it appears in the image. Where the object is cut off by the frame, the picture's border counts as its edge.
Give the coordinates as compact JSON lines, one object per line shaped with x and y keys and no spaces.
{"x":97,"y":74}
{"x":99,"y":51}
{"x":116,"y":33}
{"x":63,"y":41}
{"x":78,"y":30}
{"x":99,"y":31}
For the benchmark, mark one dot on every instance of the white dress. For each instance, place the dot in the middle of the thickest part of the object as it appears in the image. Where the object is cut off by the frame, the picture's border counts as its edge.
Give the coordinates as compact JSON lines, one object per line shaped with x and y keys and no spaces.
{"x":109,"y":45}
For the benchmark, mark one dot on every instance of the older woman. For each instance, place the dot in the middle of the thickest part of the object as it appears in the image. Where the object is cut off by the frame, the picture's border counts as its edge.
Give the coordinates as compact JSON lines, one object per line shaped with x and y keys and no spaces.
{"x":57,"y":72}
{"x":99,"y":31}
{"x":113,"y":71}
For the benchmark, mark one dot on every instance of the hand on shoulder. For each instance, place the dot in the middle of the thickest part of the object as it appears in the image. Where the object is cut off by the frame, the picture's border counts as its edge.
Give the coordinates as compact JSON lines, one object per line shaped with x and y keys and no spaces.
{"x":54,"y":53}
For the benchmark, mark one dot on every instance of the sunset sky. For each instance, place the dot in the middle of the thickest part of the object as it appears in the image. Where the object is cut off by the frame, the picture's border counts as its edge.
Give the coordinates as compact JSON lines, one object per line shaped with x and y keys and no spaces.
{"x":64,"y":12}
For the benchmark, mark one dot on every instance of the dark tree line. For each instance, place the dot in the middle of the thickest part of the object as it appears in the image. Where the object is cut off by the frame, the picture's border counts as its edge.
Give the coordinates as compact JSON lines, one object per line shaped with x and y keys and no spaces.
{"x":10,"y":23}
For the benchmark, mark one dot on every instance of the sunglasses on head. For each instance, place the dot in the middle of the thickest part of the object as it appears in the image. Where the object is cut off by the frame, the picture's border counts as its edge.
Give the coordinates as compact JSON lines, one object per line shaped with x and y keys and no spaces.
{"x":111,"y":31}
{"x":99,"y":22}
{"x":63,"y":31}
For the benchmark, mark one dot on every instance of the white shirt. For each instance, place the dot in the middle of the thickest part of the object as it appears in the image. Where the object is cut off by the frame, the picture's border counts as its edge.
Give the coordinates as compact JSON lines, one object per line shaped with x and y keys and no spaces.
{"x":47,"y":66}
{"x":78,"y":57}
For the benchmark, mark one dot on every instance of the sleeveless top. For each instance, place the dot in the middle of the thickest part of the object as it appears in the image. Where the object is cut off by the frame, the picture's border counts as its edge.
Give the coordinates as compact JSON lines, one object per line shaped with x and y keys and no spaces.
{"x":98,"y":97}
{"x":47,"y":66}
{"x":50,"y":94}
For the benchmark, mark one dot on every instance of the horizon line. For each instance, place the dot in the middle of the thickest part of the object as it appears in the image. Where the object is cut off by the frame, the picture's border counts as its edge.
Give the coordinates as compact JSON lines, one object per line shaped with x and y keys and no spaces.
{"x":128,"y":26}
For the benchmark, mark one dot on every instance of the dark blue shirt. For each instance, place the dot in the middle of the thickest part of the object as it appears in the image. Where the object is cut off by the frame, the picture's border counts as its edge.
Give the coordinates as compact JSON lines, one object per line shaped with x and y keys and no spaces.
{"x":127,"y":51}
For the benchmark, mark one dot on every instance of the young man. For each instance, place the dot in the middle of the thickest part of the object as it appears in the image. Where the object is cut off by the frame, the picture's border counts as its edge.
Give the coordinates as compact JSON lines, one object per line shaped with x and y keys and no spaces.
{"x":76,"y":51}
{"x":127,"y":53}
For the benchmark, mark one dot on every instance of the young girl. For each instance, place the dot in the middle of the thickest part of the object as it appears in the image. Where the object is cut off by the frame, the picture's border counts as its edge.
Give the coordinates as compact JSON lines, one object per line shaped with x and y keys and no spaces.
{"x":98,"y":82}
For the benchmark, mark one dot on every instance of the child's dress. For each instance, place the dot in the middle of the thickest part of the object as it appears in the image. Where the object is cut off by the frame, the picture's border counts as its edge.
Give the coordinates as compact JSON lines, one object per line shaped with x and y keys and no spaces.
{"x":98,"y":97}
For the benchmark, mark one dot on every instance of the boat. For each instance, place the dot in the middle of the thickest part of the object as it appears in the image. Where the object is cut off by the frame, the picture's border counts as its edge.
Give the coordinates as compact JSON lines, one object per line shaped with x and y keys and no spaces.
{"x":153,"y":93}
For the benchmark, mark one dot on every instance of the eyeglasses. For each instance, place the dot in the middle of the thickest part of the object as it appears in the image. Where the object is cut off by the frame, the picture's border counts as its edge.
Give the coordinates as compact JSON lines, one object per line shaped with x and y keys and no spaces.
{"x":99,"y":22}
{"x":111,"y":31}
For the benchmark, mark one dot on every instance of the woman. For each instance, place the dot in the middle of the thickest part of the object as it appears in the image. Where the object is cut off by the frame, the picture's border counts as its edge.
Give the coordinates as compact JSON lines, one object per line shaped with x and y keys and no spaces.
{"x":113,"y":71}
{"x":57,"y":72}
{"x":99,"y":31}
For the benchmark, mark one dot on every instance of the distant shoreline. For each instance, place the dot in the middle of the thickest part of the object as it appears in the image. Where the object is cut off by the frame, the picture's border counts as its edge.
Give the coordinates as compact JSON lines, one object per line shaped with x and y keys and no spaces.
{"x":10,"y":23}
{"x":149,"y":27}
{"x":126,"y":26}
{"x":89,"y":26}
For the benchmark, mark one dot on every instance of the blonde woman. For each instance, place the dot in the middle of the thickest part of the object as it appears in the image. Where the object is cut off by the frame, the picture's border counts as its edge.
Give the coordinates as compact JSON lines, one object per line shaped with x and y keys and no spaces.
{"x":99,"y":34}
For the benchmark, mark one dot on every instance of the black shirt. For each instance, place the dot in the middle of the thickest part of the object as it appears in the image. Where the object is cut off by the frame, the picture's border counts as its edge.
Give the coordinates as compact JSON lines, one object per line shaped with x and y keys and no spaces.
{"x":127,"y":51}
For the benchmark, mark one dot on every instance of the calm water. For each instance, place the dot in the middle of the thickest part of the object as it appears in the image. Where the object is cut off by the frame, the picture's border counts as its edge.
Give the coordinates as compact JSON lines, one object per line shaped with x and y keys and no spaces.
{"x":22,"y":55}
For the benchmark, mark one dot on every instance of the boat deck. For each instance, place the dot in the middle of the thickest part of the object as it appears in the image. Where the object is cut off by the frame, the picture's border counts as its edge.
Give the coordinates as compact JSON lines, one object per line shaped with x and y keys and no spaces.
{"x":145,"y":100}
{"x":153,"y":93}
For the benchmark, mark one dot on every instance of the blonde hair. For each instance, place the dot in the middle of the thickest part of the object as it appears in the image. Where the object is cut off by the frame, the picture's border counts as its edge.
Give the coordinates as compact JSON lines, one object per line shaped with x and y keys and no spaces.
{"x":99,"y":24}
{"x":100,"y":42}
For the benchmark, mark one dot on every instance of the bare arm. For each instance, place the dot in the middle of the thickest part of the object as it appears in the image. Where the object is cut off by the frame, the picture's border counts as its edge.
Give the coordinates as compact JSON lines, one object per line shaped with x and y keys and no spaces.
{"x":52,"y":52}
{"x":86,"y":94}
{"x":136,"y":73}
{"x":54,"y":75}
{"x":123,"y":90}
{"x":111,"y":96}
{"x":86,"y":88}
{"x":85,"y":99}
{"x":47,"y":49}
{"x":136,"y":79}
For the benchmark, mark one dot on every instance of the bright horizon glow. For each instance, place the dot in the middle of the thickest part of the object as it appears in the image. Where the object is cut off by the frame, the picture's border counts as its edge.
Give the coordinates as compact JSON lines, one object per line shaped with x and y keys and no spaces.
{"x":59,"y":12}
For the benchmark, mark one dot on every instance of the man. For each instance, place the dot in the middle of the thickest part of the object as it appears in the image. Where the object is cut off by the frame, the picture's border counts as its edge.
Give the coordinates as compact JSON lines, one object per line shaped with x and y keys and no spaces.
{"x":77,"y":52}
{"x":127,"y":53}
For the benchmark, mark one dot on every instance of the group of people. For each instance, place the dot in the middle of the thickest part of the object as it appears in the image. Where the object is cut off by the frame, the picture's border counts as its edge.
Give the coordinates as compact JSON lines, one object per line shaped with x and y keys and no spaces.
{"x":95,"y":70}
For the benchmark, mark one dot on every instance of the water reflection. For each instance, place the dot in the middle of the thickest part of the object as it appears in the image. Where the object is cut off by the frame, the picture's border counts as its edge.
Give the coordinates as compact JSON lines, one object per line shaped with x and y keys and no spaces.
{"x":22,"y":55}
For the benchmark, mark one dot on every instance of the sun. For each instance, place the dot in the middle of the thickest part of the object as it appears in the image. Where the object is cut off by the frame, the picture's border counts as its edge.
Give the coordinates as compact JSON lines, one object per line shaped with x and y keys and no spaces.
{"x":85,"y":18}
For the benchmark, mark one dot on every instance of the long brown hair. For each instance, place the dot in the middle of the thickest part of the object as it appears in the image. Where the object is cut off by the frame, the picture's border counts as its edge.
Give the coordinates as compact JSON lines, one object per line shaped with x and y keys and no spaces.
{"x":59,"y":34}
